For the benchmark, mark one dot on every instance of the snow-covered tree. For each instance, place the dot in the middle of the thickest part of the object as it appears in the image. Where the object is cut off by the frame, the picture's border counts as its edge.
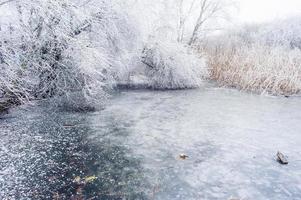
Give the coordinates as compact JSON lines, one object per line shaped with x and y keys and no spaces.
{"x":55,"y":48}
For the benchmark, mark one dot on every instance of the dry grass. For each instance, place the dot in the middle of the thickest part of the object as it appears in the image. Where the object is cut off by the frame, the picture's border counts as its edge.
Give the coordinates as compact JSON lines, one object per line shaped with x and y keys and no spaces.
{"x":256,"y":68}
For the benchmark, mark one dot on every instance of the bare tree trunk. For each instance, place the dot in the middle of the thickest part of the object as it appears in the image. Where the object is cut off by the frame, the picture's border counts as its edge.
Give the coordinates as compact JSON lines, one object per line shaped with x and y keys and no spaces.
{"x":183,"y":18}
{"x":209,"y":9}
{"x":199,"y":22}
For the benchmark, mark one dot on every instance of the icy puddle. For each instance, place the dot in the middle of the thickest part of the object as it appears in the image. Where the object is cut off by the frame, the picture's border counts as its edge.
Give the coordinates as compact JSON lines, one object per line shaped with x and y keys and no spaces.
{"x":131,"y":149}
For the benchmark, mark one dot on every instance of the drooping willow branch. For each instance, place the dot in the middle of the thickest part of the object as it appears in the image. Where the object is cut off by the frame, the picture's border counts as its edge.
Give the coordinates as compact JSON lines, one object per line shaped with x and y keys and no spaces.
{"x":5,"y":2}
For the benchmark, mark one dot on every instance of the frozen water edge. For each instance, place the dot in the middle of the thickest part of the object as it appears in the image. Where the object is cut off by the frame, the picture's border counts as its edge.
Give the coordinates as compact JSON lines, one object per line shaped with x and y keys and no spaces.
{"x":142,"y":82}
{"x":135,"y":82}
{"x":231,"y":139}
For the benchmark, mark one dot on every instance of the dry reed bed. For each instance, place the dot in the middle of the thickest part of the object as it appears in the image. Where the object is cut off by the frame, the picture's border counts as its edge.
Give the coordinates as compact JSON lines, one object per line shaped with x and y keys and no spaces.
{"x":257,"y":68}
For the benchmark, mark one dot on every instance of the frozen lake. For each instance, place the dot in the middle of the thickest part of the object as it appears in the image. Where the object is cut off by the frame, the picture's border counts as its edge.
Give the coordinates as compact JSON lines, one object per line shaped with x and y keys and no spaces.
{"x":133,"y":148}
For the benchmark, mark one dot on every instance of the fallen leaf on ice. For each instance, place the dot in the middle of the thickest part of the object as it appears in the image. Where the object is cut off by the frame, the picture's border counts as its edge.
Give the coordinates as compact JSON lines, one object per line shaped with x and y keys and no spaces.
{"x":90,"y":179}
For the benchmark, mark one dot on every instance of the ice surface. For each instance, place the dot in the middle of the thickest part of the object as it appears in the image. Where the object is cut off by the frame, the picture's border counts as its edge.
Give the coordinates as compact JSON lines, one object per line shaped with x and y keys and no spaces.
{"x":133,"y":145}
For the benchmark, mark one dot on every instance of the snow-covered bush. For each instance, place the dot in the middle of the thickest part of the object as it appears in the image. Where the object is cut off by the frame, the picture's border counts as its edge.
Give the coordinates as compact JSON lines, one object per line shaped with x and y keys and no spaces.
{"x":56,"y":48}
{"x":76,"y":51}
{"x":262,"y":58}
{"x":172,"y":66}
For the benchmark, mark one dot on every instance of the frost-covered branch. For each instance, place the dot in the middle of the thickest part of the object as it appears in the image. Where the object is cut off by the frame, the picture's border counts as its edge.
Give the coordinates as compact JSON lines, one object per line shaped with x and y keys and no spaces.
{"x":5,"y":2}
{"x":57,"y":49}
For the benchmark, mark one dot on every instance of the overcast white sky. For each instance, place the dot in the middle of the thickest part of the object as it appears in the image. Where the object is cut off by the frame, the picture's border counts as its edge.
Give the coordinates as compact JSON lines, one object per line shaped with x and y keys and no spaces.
{"x":267,"y":10}
{"x":255,"y":10}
